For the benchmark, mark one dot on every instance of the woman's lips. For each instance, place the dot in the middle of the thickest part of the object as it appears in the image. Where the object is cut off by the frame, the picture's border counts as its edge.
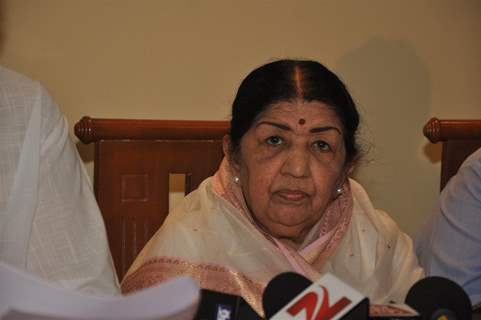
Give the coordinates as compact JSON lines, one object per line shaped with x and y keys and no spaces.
{"x":292,"y":195}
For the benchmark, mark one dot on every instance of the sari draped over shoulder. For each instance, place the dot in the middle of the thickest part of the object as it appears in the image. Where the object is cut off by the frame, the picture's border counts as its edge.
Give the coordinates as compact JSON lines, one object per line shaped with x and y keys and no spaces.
{"x":212,"y":237}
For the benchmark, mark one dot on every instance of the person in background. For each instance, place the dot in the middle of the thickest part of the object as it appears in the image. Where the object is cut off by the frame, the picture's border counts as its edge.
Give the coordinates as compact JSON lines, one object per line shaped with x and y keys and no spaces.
{"x":282,"y":200}
{"x":449,"y":243}
{"x":50,"y":224}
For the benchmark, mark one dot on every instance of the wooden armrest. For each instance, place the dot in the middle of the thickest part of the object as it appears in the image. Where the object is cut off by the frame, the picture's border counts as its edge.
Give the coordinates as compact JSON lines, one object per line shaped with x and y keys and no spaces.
{"x":442,"y":130}
{"x":460,"y":138}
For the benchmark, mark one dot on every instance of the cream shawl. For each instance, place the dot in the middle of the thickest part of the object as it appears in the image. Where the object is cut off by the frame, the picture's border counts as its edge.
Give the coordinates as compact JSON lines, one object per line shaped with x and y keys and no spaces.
{"x":212,"y":237}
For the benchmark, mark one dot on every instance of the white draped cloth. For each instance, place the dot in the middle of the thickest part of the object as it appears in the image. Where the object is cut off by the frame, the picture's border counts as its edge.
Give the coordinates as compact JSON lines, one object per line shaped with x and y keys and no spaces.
{"x":212,"y":237}
{"x":50,"y":224}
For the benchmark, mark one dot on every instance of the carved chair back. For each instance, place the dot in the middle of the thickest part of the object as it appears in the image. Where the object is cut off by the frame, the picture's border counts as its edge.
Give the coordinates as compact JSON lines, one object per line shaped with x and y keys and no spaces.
{"x":132,"y":165}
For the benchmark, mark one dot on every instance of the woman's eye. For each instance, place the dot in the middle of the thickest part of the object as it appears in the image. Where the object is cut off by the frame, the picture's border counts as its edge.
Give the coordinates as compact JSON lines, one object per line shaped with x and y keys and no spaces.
{"x":322,"y":145}
{"x":274,"y":140}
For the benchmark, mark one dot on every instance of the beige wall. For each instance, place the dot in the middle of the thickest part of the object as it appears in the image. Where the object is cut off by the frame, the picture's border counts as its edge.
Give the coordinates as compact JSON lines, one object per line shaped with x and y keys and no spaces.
{"x":404,"y":62}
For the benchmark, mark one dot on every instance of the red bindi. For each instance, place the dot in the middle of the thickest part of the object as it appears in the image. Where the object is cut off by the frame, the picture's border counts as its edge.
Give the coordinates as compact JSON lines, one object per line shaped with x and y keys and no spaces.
{"x":302,"y":121}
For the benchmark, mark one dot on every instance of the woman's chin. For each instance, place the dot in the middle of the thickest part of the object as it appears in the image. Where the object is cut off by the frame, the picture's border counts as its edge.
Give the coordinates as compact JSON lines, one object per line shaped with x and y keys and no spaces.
{"x":292,"y":231}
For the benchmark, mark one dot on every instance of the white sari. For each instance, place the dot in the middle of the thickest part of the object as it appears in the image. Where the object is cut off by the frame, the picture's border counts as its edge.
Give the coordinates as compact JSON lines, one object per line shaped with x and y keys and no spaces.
{"x":212,"y":237}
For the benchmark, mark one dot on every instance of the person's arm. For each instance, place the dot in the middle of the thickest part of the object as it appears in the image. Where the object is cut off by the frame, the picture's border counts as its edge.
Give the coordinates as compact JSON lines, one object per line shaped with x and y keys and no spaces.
{"x":449,"y":244}
{"x":68,"y":243}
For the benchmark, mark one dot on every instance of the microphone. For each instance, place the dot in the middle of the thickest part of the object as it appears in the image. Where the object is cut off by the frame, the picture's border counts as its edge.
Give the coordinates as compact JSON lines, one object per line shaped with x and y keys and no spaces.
{"x":281,"y":290}
{"x":222,"y":306}
{"x":438,"y":298}
{"x":327,"y":298}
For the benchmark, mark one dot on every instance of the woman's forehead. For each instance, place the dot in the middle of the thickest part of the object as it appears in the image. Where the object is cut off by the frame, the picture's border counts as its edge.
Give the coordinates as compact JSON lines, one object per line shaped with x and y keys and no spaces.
{"x":301,"y":113}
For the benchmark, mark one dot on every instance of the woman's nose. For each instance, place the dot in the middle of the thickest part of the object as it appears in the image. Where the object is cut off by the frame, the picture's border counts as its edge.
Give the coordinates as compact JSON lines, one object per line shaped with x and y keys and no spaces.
{"x":296,"y":163}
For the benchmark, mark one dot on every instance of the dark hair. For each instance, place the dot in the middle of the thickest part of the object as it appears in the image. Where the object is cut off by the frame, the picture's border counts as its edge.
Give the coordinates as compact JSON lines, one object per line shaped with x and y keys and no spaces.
{"x":287,"y":80}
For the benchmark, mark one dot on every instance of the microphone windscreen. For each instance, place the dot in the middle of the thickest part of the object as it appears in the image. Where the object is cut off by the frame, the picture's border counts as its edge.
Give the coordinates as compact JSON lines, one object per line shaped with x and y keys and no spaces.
{"x":435,"y":297}
{"x":281,"y":290}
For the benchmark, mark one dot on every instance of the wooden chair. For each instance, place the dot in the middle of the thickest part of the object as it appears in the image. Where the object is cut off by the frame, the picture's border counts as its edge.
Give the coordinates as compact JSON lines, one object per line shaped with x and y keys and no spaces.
{"x":460,"y":138}
{"x":132,"y":165}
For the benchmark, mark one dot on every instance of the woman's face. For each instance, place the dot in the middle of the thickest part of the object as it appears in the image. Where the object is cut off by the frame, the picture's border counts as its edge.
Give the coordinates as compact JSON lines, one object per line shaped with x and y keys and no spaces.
{"x":291,"y":162}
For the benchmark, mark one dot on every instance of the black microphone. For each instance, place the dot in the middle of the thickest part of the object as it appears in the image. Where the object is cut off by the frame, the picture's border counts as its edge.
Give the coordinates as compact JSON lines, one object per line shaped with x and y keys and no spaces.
{"x":222,"y":306}
{"x":290,"y":295}
{"x":438,"y":298}
{"x":281,"y":290}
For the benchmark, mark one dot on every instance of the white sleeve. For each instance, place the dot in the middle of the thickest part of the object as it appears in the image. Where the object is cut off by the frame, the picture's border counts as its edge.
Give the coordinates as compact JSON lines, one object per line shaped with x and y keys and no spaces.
{"x":50,"y":223}
{"x":68,"y":242}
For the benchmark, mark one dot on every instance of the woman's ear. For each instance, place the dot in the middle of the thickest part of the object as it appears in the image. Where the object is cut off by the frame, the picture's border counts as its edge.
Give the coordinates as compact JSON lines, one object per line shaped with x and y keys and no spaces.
{"x":349,"y":169}
{"x":226,"y":146}
{"x":228,"y":153}
{"x":344,"y":176}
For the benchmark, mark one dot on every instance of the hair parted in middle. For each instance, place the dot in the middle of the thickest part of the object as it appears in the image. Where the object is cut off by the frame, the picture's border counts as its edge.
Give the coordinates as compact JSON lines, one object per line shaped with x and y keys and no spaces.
{"x":289,"y":80}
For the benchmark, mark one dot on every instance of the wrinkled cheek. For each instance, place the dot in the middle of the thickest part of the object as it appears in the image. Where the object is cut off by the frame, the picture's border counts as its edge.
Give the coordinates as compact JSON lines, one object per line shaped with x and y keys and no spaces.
{"x":327,"y":160}
{"x":330,"y":166}
{"x":326,"y":193}
{"x":327,"y":177}
{"x":253,"y":193}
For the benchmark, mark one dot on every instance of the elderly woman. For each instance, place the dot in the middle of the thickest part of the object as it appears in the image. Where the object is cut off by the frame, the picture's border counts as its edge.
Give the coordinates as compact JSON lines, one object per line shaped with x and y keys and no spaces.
{"x":282,"y":200}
